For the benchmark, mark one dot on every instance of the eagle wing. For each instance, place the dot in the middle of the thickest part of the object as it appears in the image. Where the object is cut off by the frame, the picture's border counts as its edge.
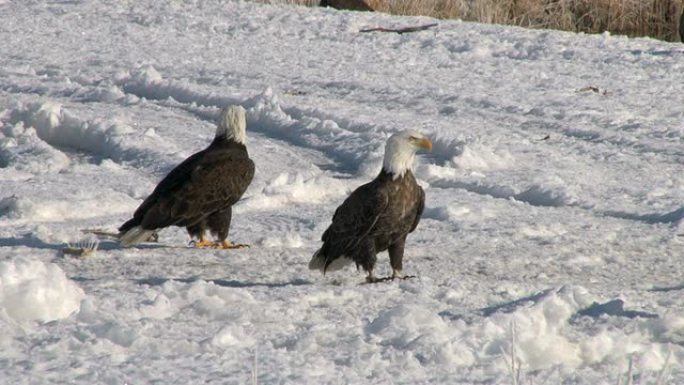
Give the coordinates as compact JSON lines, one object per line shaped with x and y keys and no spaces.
{"x":356,"y":218}
{"x":207,"y":181}
{"x":172,"y":181}
{"x":175,"y":179}
{"x":421,"y":207}
{"x":217,"y":182}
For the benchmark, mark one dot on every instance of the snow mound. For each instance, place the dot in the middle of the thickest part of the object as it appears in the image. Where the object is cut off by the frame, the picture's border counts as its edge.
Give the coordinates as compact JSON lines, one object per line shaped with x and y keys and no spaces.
{"x":289,"y":240}
{"x":232,"y":336}
{"x":104,"y":138}
{"x":116,"y":332}
{"x":422,"y":333}
{"x":458,"y":213}
{"x":147,"y":82}
{"x":33,"y":290}
{"x":312,"y":129}
{"x":23,"y":150}
{"x":539,"y":329}
{"x":12,"y":207}
{"x":59,"y":210}
{"x":551,"y":194}
{"x":478,"y":157}
{"x":147,"y":75}
{"x":353,"y":148}
{"x":202,"y":298}
{"x":158,"y":308}
{"x":295,"y":188}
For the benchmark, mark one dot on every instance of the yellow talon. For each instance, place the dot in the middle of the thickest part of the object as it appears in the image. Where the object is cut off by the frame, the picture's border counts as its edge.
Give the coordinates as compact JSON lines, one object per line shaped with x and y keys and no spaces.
{"x":203,"y":244}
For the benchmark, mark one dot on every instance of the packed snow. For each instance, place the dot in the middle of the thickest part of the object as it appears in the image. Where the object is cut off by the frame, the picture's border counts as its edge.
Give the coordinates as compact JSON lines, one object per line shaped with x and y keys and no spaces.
{"x":550,"y":249}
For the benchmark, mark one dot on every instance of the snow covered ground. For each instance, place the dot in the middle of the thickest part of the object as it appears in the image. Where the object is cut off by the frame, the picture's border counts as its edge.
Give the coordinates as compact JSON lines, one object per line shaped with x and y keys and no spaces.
{"x":553,"y":234}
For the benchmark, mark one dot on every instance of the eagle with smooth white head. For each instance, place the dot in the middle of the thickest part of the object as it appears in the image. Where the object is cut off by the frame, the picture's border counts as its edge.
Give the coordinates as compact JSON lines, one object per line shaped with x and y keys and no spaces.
{"x":199,"y":193}
{"x":379,"y":215}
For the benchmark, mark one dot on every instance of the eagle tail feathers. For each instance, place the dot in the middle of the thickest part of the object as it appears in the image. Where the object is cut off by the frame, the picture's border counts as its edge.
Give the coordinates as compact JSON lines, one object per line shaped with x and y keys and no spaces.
{"x":322,"y":262}
{"x":134,"y":235}
{"x":318,"y":261}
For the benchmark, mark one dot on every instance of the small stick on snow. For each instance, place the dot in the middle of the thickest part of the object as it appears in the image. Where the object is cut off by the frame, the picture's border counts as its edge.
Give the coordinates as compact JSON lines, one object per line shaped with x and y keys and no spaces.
{"x":101,"y":233}
{"x":399,"y":30}
{"x":512,"y":362}
{"x":594,"y":90}
{"x":255,"y":369}
{"x":630,"y":370}
{"x":663,"y":372}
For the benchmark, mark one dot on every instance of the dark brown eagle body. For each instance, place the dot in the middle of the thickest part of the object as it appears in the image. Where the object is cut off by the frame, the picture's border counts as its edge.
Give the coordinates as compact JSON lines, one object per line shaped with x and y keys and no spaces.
{"x":201,"y":188}
{"x":197,"y":194}
{"x":377,"y":216}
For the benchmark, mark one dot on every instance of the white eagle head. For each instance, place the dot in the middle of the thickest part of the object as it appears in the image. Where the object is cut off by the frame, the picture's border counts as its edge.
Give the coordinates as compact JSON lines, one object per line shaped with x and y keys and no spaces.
{"x":232,"y":124}
{"x":400,"y":151}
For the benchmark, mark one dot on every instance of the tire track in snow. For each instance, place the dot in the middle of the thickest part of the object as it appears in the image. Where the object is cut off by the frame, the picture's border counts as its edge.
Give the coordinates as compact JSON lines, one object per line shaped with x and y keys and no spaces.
{"x":538,"y":120}
{"x":44,"y":139}
{"x":94,"y":140}
{"x":350,"y":145}
{"x":671,"y":217}
{"x":541,"y":196}
{"x":585,"y":143}
{"x":587,"y":138}
{"x":588,"y":125}
{"x":354,"y":147}
{"x":347,"y":142}
{"x":265,"y":116}
{"x":535,"y":195}
{"x":100,"y":140}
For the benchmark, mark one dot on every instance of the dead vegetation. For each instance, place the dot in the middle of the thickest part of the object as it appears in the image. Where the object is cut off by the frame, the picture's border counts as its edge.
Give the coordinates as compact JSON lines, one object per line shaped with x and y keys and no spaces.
{"x":655,"y":18}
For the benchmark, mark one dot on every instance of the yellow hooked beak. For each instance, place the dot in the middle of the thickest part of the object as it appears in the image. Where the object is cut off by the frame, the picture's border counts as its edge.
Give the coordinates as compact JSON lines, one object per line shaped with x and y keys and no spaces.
{"x":424,"y":143}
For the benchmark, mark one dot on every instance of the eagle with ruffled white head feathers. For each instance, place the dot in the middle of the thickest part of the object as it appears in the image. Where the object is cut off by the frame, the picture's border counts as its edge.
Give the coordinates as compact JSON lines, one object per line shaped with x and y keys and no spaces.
{"x":379,"y":215}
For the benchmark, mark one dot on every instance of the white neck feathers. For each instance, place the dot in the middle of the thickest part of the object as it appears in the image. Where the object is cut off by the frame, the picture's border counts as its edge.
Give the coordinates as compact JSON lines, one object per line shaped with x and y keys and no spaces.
{"x":232,"y":124}
{"x":399,"y":157}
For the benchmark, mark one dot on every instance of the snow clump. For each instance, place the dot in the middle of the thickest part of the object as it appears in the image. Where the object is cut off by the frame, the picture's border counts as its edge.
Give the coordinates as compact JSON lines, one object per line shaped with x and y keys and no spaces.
{"x":33,"y":290}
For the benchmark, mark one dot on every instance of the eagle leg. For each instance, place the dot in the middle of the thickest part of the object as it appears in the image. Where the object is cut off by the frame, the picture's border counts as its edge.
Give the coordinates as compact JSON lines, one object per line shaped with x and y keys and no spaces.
{"x":203,"y":243}
{"x":227,"y":245}
{"x":396,"y":253}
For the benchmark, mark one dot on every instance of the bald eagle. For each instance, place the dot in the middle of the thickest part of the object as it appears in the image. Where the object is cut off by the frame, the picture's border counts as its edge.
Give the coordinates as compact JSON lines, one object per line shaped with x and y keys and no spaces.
{"x":379,"y":215}
{"x":198,"y":194}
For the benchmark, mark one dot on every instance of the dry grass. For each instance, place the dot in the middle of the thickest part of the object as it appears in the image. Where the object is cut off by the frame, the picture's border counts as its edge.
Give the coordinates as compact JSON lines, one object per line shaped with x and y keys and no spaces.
{"x":655,"y":18}
{"x":308,"y":3}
